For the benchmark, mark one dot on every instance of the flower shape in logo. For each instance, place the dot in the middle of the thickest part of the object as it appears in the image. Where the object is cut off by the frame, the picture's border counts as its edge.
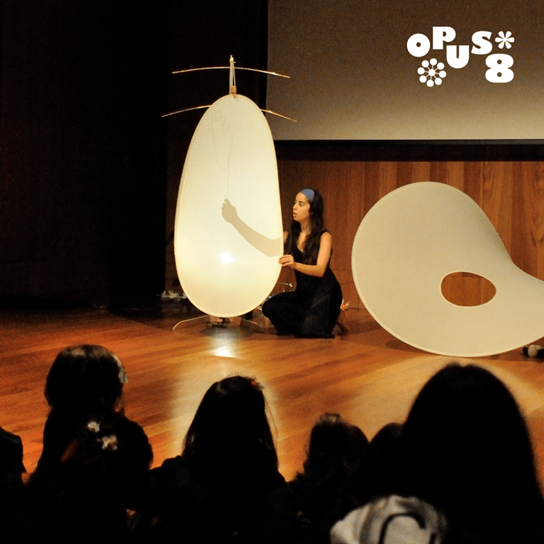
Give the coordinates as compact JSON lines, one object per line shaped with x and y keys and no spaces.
{"x":431,"y":72}
{"x":505,"y":40}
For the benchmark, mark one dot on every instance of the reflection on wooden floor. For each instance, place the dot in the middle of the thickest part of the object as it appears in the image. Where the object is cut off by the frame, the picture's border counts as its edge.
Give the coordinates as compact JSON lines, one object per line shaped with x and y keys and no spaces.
{"x":368,"y":376}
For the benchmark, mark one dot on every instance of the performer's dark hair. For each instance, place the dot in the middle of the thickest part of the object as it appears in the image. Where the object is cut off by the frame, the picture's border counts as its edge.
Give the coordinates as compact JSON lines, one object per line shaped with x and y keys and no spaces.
{"x":317,"y":228}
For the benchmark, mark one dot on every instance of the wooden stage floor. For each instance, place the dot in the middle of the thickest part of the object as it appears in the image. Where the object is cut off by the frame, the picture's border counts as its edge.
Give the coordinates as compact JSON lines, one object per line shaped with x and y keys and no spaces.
{"x":367,"y":376}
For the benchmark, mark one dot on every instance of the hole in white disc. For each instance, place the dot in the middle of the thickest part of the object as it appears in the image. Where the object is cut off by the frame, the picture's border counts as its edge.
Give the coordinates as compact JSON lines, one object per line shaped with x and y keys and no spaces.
{"x":467,"y":289}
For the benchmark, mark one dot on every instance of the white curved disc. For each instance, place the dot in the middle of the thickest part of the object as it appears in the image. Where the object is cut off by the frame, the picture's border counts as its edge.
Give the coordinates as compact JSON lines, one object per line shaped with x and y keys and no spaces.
{"x":409,"y":242}
{"x":228,"y":268}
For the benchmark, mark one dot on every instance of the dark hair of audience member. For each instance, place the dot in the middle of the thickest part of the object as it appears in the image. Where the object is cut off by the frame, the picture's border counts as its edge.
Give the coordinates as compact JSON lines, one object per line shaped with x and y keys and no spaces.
{"x":335,"y":448}
{"x":379,"y":472}
{"x":83,"y":380}
{"x":230,"y":434}
{"x":305,"y":509}
{"x":98,"y":479}
{"x":467,"y":451}
{"x":335,"y":452}
{"x":212,"y":491}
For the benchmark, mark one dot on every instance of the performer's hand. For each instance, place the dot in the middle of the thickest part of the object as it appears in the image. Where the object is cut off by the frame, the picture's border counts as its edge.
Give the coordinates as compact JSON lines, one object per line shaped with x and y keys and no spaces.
{"x":287,"y":260}
{"x":230,"y":215}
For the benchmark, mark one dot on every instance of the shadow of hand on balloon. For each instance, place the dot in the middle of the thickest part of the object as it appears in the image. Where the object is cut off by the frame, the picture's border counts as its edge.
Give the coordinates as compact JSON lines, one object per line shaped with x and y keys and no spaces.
{"x":268,"y":246}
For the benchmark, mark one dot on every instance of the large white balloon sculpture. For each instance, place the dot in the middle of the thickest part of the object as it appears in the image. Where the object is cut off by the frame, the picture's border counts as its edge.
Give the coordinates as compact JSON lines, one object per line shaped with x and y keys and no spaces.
{"x":228,"y":225}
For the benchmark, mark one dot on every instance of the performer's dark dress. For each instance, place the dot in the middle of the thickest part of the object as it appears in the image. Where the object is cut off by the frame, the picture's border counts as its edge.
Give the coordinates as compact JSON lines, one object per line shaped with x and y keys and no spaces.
{"x":311,"y":311}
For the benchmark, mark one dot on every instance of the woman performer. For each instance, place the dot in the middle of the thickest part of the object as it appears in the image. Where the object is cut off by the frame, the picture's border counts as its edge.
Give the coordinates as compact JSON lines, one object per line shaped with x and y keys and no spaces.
{"x":311,"y":310}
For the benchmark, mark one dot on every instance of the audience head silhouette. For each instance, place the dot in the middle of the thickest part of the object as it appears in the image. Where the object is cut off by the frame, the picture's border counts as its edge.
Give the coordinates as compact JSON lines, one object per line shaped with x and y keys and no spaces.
{"x":83,"y":381}
{"x":230,"y":430}
{"x":85,"y":378}
{"x":380,"y":465}
{"x":467,"y":451}
{"x":335,"y":447}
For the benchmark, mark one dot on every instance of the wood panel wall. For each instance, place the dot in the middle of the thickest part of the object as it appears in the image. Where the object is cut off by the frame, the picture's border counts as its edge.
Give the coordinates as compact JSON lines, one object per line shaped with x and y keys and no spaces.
{"x":511,"y":193}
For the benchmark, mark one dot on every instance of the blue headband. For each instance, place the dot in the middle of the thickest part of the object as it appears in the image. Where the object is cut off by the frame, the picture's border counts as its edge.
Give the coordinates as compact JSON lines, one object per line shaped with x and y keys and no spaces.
{"x":309,"y":194}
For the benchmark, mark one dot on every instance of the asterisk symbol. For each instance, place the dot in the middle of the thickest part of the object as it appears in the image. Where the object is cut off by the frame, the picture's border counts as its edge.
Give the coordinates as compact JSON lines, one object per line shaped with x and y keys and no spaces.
{"x":505,"y":40}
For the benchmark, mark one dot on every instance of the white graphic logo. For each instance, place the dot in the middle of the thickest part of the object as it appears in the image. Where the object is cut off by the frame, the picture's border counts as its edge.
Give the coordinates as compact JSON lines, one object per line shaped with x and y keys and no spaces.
{"x":504,"y":40}
{"x":431,"y":72}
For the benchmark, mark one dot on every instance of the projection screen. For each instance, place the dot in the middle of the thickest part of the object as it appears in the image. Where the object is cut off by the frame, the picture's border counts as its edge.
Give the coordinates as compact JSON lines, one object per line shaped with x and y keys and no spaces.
{"x":407,"y":70}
